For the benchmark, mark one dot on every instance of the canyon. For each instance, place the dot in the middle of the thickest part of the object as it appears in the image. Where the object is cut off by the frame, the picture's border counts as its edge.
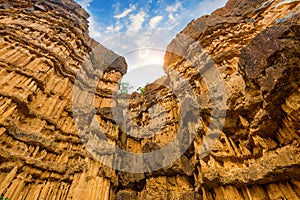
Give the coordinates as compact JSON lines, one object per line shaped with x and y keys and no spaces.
{"x":231,"y":88}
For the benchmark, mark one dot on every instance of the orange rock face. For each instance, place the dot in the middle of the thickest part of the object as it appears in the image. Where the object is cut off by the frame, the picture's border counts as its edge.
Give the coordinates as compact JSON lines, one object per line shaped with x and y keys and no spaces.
{"x":58,"y":87}
{"x":43,"y":45}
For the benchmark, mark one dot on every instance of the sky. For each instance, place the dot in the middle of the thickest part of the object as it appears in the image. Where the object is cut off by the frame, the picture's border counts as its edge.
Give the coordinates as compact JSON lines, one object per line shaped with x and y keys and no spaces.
{"x":140,"y":30}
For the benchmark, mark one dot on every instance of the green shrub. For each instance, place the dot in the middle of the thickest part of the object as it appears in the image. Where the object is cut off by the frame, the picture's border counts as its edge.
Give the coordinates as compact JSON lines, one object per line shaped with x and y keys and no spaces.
{"x":124,"y":88}
{"x":142,"y":90}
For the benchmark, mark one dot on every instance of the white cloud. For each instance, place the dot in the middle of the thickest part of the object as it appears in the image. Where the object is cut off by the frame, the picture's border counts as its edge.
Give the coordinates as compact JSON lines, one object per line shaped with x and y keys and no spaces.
{"x":137,"y":20}
{"x":155,"y":20}
{"x":95,"y":29}
{"x":85,"y":3}
{"x":145,"y":46}
{"x":171,"y":18}
{"x":126,"y":12}
{"x":114,"y":29}
{"x":181,"y":19}
{"x":208,"y":6}
{"x":174,"y":8}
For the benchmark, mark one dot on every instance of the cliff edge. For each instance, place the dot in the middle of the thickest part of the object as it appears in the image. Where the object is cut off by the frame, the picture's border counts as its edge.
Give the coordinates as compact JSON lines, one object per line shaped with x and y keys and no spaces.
{"x":47,"y":67}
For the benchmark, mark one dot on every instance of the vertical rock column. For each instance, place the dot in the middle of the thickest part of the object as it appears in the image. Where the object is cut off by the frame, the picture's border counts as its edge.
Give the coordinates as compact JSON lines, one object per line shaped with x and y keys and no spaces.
{"x":42,"y":46}
{"x":255,"y":47}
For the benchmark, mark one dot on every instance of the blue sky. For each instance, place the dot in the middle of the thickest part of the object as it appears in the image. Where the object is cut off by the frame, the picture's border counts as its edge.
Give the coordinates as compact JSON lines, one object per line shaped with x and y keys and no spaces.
{"x":141,"y":30}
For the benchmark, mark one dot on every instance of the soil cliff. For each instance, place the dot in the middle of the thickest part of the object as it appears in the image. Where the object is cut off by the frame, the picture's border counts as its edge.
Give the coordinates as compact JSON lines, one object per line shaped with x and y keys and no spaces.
{"x":246,"y":137}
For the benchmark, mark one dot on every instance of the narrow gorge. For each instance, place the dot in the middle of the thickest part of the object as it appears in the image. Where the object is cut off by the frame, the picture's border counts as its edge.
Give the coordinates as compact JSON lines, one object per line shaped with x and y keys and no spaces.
{"x":51,"y":71}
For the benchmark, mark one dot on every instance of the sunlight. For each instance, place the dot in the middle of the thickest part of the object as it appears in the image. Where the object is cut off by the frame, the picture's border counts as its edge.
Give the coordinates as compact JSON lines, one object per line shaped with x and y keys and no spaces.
{"x":144,"y":56}
{"x":145,"y":66}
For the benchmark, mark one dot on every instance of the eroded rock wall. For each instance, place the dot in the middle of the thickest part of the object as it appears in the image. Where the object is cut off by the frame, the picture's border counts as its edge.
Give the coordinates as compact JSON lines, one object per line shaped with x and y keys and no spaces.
{"x":43,"y":45}
{"x":255,"y":47}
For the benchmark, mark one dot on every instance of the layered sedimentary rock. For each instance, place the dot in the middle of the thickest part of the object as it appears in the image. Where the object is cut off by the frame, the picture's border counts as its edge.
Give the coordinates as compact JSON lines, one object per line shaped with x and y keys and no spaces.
{"x":46,"y":55}
{"x":43,"y":45}
{"x":255,"y":46}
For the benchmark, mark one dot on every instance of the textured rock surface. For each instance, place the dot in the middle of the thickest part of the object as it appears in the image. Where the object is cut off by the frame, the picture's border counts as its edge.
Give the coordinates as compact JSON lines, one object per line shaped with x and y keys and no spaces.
{"x":256,"y":48}
{"x":43,"y":45}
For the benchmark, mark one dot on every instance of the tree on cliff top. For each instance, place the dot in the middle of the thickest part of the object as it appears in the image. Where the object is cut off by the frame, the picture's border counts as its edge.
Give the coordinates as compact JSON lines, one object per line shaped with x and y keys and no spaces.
{"x":125,"y":87}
